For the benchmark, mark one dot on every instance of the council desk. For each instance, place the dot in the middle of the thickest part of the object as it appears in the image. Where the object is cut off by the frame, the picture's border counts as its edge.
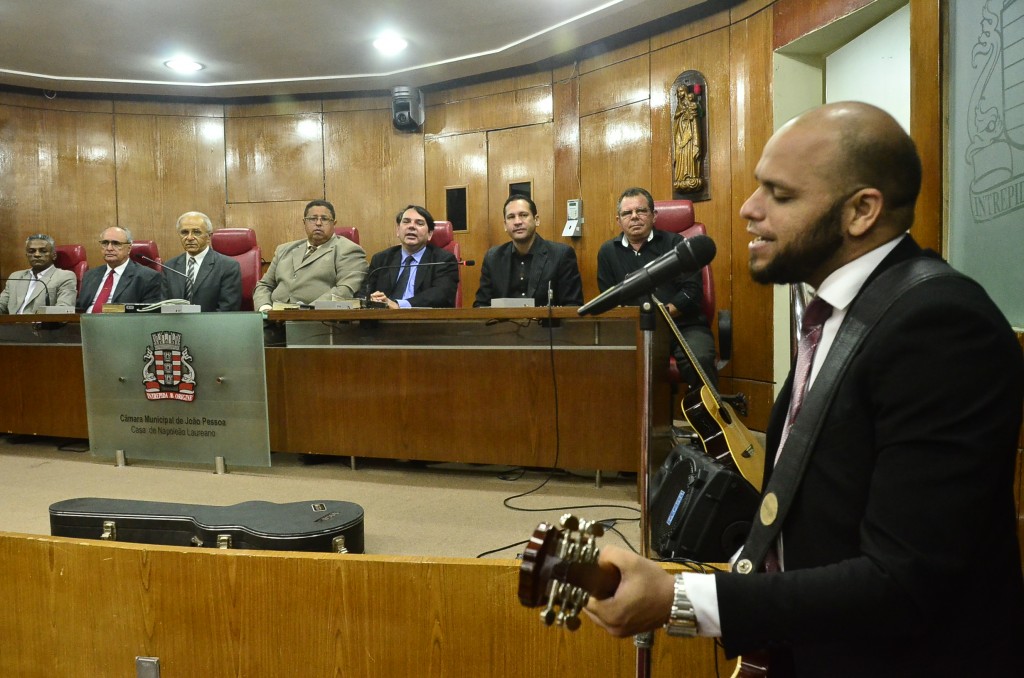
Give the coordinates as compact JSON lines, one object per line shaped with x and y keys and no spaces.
{"x":531,"y":387}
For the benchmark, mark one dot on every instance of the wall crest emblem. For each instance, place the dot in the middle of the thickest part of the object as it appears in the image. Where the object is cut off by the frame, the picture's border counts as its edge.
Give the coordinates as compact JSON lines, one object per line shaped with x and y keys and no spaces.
{"x":996,"y":113}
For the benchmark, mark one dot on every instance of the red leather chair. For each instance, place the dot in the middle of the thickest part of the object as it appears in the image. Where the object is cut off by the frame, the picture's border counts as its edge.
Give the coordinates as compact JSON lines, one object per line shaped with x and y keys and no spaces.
{"x":443,"y":237}
{"x":72,"y":258}
{"x":148,"y":249}
{"x":350,"y":232}
{"x":240,"y":244}
{"x":677,"y":216}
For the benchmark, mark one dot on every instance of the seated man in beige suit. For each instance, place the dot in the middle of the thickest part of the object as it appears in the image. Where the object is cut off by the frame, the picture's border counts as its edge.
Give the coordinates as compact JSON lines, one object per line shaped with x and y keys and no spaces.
{"x":323,"y":266}
{"x":42,"y":284}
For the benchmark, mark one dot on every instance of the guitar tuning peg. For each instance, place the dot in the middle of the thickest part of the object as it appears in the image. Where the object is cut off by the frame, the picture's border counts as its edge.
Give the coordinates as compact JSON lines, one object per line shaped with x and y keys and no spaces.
{"x":569,"y":522}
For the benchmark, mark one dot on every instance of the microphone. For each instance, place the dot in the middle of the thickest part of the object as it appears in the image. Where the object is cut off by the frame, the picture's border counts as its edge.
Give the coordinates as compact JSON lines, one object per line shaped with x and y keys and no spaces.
{"x":689,"y":256}
{"x":458,"y":262}
{"x":30,"y":280}
{"x":162,"y":265}
{"x":373,"y":304}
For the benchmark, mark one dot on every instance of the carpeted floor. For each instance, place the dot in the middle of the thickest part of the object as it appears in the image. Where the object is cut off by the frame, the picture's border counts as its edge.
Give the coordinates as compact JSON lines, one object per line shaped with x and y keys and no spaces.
{"x":411,"y":508}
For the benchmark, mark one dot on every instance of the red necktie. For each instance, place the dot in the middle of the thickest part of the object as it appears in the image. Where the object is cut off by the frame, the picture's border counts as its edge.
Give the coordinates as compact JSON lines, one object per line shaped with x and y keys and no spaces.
{"x":815,"y":315}
{"x":104,"y":294}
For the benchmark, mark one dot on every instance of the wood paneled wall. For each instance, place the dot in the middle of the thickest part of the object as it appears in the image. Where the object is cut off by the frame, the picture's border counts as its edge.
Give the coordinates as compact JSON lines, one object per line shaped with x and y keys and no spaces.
{"x":589,"y":129}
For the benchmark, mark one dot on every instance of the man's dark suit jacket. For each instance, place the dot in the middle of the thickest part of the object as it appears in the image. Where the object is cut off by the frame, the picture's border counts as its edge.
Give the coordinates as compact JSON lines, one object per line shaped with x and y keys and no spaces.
{"x":218,"y":285}
{"x":435,"y":284}
{"x":553,"y":262}
{"x":901,"y":540}
{"x":138,"y":285}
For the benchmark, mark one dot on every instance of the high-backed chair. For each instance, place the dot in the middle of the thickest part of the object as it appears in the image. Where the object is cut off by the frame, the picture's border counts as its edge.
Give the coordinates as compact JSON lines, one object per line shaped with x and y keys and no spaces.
{"x":443,"y":237}
{"x":240,"y":244}
{"x":72,"y":258}
{"x":350,"y":232}
{"x":677,"y":216}
{"x":148,"y":249}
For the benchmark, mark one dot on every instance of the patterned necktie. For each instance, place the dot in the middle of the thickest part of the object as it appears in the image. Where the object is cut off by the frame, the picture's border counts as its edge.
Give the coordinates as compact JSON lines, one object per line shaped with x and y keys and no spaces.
{"x":403,"y":279}
{"x":309,"y":250}
{"x":104,"y":294}
{"x":190,"y":276}
{"x":815,"y":315}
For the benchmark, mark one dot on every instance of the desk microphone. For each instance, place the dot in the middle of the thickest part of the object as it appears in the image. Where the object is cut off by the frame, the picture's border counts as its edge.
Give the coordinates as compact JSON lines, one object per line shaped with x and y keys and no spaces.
{"x":46,"y":288}
{"x":458,"y":262}
{"x":689,"y":256}
{"x":162,"y":265}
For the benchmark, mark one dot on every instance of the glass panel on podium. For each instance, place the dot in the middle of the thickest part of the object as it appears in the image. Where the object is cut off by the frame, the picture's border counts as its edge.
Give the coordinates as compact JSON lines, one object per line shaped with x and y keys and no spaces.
{"x":177,"y":387}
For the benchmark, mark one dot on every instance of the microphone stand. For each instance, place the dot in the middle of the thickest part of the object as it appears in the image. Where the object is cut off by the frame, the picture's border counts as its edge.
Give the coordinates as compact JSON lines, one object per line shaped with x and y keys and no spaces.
{"x":644,"y":641}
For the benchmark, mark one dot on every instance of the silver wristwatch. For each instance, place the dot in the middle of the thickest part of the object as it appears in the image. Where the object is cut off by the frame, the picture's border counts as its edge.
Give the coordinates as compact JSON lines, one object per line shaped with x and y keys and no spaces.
{"x":682,"y":620}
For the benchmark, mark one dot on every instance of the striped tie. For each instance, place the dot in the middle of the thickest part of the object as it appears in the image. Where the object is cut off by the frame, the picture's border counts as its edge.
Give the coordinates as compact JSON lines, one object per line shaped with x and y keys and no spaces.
{"x":190,"y":275}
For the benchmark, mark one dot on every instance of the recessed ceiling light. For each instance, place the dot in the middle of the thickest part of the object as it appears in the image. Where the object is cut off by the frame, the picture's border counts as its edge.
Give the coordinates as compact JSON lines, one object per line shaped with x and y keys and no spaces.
{"x":184,"y":65}
{"x":390,"y":43}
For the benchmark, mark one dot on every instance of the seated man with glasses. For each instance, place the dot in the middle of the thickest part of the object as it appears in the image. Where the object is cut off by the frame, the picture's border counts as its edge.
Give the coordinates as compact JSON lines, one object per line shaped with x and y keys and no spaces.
{"x":120,"y":280}
{"x":321,"y":266}
{"x":640,"y":244}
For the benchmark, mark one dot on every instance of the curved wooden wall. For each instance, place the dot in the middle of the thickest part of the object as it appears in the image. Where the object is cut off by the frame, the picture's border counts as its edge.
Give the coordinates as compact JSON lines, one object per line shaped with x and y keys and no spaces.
{"x":72,"y":167}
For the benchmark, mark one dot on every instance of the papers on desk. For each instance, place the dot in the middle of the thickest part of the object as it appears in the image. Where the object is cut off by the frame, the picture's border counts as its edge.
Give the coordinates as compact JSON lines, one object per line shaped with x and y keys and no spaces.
{"x":512,"y":302}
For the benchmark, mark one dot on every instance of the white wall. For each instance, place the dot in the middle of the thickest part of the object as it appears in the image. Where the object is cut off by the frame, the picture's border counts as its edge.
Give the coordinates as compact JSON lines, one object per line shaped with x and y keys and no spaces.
{"x":874,"y":67}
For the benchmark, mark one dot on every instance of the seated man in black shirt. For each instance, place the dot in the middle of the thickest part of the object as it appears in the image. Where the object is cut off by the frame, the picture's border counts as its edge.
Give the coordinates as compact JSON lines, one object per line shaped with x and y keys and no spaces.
{"x":640,"y":244}
{"x":529,"y":266}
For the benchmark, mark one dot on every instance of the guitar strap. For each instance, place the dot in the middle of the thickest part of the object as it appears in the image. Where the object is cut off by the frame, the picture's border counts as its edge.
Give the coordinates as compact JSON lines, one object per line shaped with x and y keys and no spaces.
{"x":876,"y":299}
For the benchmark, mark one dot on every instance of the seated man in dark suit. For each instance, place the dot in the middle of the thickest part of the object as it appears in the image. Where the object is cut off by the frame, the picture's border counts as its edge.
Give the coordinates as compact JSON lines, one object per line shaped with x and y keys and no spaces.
{"x":529,"y":266}
{"x":120,"y":280}
{"x":413,"y":273}
{"x":200,"y":275}
{"x":42,"y":284}
{"x":320,"y":266}
{"x":638,"y":245}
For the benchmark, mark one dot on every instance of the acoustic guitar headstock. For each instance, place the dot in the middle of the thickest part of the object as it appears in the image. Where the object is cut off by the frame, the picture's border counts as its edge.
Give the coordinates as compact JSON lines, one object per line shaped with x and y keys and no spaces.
{"x":560,"y":570}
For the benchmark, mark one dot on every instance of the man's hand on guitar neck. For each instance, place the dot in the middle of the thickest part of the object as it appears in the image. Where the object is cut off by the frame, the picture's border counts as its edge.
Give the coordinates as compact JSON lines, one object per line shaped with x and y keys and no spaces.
{"x":643,"y":599}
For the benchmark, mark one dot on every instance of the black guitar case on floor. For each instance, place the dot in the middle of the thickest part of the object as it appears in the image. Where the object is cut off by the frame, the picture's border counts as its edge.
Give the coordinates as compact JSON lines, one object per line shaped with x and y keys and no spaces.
{"x":318,"y":525}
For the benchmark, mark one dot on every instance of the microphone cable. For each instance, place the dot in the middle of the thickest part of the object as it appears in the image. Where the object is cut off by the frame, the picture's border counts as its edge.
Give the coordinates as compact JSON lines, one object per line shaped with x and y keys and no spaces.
{"x":609,"y":523}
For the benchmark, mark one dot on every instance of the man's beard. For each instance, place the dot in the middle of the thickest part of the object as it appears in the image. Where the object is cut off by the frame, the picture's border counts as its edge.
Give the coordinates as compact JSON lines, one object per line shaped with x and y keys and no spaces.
{"x":801,"y":258}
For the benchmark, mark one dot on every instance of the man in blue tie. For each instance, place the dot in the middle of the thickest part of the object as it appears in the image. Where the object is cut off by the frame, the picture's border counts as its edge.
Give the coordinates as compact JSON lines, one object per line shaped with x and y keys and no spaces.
{"x":413,"y":273}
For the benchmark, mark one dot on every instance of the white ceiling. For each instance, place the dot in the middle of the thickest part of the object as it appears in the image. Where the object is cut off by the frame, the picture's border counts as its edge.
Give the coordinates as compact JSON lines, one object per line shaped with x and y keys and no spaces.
{"x":270,"y":47}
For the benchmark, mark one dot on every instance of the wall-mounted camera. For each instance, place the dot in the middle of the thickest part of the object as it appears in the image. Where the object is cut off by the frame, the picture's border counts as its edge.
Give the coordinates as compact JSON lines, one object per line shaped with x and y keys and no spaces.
{"x":407,"y":108}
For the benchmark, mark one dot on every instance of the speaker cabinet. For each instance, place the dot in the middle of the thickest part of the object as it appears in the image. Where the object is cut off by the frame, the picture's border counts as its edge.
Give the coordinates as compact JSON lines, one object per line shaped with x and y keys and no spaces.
{"x":407,"y":108}
{"x":700,"y":510}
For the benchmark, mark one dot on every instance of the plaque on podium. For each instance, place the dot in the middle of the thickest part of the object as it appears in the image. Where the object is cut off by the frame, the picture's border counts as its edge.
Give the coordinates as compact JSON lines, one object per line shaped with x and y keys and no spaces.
{"x":177,"y":387}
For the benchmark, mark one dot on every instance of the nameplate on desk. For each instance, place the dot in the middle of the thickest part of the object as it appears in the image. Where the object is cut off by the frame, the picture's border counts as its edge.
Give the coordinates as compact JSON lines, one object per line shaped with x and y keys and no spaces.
{"x":116,"y":308}
{"x":332,"y":305}
{"x":55,"y":310}
{"x":181,"y":308}
{"x":513,"y":302}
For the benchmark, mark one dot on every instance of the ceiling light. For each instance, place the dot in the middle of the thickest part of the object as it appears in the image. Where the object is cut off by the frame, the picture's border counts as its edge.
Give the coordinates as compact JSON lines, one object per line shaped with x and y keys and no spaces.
{"x":390,"y":43}
{"x":184,"y":65}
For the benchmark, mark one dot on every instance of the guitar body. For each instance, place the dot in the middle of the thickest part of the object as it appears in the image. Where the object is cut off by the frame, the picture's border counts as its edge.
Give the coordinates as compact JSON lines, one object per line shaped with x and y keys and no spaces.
{"x":722,"y":434}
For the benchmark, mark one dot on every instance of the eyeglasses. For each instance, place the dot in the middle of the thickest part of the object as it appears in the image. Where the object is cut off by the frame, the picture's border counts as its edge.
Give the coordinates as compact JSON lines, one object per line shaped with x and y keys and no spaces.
{"x":316,"y":219}
{"x":113,"y":243}
{"x":639,"y":211}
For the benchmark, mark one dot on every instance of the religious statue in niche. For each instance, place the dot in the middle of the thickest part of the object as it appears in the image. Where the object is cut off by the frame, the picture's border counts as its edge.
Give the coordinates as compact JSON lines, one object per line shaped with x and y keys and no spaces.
{"x":689,"y":137}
